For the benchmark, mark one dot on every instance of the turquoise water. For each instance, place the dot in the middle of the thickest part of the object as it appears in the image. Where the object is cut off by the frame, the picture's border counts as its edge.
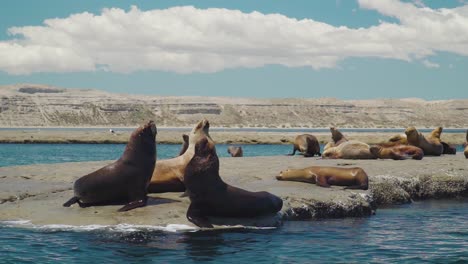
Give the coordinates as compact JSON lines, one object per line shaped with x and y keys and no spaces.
{"x":429,"y":232}
{"x":23,"y":154}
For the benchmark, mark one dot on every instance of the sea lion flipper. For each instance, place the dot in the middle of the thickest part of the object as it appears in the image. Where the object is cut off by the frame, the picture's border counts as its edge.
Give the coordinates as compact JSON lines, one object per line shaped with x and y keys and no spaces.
{"x":133,"y":204}
{"x":321,"y":181}
{"x":73,"y":200}
{"x":195,"y":216}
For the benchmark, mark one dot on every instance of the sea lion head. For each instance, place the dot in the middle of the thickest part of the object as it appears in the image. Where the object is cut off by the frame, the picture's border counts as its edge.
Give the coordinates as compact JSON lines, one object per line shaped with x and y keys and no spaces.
{"x":142,"y":140}
{"x":336,"y":135}
{"x":436,"y":132}
{"x":200,"y":129}
{"x":410,"y":130}
{"x":287,"y":173}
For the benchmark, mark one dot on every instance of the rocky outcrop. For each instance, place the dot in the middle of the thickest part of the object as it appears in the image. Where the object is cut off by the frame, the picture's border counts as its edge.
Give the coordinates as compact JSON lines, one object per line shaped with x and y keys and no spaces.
{"x":36,"y":192}
{"x":39,"y":105}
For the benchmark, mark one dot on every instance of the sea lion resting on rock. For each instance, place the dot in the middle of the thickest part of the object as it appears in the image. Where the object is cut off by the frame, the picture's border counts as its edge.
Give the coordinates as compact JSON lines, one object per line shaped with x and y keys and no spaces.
{"x":235,"y":151}
{"x":168,"y":175}
{"x":398,"y":152}
{"x":307,"y":145}
{"x":352,"y":178}
{"x":126,"y":179}
{"x":185,"y":144}
{"x":211,"y":196}
{"x":337,"y":139}
{"x":349,"y":150}
{"x":431,"y":145}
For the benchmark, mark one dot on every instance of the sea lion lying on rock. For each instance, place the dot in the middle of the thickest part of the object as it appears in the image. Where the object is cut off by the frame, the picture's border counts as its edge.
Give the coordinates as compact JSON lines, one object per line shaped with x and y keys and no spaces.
{"x":168,"y":175}
{"x":126,"y":179}
{"x":352,"y":178}
{"x":211,"y":196}
{"x":398,"y":152}
{"x":307,"y":145}
{"x":351,"y":149}
{"x":235,"y":151}
{"x":431,"y":145}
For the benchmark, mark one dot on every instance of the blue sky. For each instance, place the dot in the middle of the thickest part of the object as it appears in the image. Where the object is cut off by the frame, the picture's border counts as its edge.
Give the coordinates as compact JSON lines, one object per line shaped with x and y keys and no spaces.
{"x":252,"y":58}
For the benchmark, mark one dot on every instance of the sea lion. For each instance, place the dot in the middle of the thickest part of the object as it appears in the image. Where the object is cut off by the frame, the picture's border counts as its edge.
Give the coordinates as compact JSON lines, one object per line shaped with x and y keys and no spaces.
{"x":126,"y":179}
{"x":307,"y":145}
{"x":448,"y":149}
{"x":185,"y":144}
{"x":168,"y":175}
{"x":352,"y":178}
{"x":235,"y":151}
{"x":399,"y":138}
{"x":337,"y":139}
{"x":431,"y":145}
{"x":211,"y":196}
{"x":466,"y":145}
{"x":398,"y":152}
{"x":351,"y":149}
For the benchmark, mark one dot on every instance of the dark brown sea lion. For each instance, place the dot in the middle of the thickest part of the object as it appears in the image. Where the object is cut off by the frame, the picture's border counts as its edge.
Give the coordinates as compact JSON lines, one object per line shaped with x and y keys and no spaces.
{"x":185,"y":144}
{"x":431,"y":145}
{"x":235,"y":151}
{"x":307,"y":145}
{"x":126,"y":179}
{"x":337,"y":139}
{"x":168,"y":175}
{"x":352,"y":178}
{"x":398,"y":152}
{"x":211,"y":196}
{"x":449,"y":149}
{"x":466,"y":145}
{"x":352,"y":149}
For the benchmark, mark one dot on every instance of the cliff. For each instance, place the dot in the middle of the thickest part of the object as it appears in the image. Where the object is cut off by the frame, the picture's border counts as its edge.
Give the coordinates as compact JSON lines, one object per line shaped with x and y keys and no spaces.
{"x":39,"y":105}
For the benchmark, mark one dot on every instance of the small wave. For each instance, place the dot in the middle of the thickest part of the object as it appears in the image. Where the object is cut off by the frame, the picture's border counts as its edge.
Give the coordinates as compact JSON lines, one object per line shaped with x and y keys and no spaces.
{"x":123,"y":228}
{"x":112,"y":228}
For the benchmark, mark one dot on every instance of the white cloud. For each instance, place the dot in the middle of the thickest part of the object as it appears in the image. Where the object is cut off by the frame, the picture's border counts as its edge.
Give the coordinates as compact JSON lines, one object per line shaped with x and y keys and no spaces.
{"x":187,"y":39}
{"x":429,"y":64}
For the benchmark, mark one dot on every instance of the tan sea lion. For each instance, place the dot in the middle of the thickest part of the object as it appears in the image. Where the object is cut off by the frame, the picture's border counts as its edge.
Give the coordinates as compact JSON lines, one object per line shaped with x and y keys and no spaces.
{"x":352,"y":178}
{"x":431,"y":145}
{"x":398,"y":152}
{"x":168,"y":175}
{"x":125,"y":180}
{"x":235,"y":151}
{"x":307,"y":145}
{"x":185,"y":144}
{"x":351,"y":149}
{"x":466,"y":145}
{"x":211,"y":196}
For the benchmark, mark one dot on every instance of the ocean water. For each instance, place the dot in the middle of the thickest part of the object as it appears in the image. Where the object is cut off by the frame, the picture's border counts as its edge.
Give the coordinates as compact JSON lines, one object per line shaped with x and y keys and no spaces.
{"x":421,"y":232}
{"x":24,"y":154}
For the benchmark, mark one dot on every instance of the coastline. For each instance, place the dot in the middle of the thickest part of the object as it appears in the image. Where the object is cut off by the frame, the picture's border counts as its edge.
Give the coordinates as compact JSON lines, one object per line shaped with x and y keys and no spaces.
{"x":175,"y":137}
{"x":36,"y":192}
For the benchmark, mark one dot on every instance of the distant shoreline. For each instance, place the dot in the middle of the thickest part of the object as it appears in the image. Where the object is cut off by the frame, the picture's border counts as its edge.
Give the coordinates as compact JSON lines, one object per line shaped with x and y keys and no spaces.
{"x":221,"y":136}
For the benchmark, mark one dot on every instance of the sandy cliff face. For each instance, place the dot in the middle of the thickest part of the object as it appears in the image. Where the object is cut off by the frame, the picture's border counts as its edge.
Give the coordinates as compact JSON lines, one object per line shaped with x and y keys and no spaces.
{"x":38,"y":105}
